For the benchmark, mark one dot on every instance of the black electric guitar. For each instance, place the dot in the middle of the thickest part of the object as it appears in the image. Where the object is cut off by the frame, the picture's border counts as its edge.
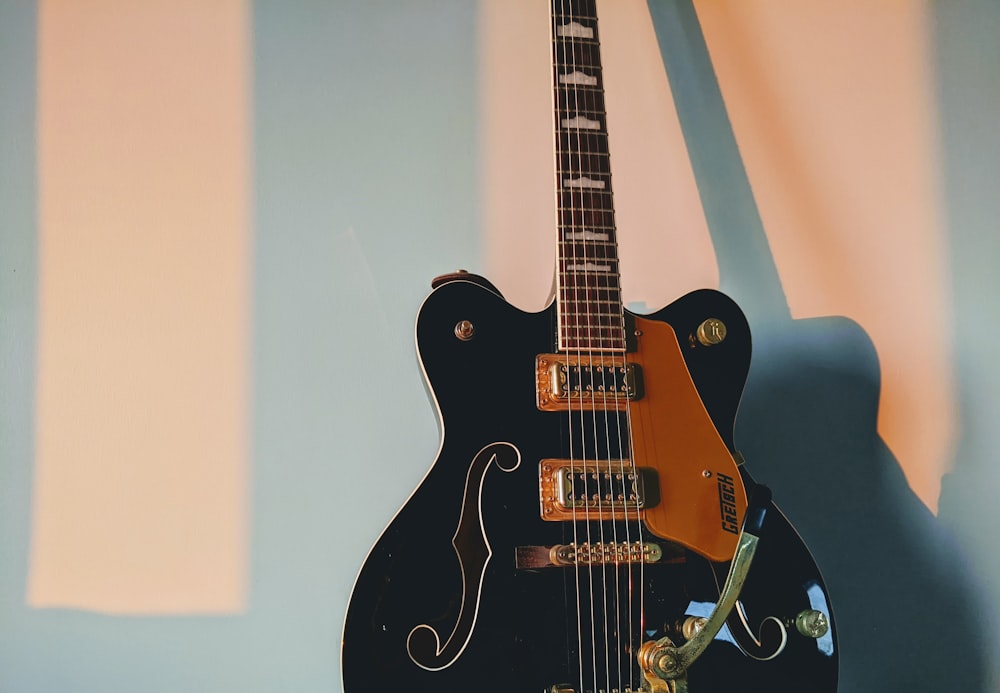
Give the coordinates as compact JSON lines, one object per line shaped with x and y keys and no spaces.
{"x":587,"y":525}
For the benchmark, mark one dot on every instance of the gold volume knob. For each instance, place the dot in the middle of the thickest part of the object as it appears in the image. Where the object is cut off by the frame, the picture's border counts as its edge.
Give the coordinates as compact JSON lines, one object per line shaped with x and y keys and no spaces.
{"x":711,"y":332}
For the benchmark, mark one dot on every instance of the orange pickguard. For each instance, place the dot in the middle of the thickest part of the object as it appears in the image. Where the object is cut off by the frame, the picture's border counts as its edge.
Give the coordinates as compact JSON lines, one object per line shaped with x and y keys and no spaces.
{"x":672,"y":432}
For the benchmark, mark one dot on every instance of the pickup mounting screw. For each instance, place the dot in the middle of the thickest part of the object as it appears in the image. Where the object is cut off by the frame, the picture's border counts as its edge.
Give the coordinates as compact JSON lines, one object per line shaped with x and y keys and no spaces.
{"x":464,"y":330}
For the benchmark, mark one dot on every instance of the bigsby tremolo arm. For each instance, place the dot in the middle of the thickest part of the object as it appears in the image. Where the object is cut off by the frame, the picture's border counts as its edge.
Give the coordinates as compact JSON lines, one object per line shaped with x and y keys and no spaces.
{"x":665,"y":665}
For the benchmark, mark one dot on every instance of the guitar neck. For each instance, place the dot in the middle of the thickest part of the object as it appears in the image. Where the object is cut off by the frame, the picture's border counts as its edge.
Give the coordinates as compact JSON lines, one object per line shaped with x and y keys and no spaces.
{"x":588,"y":286}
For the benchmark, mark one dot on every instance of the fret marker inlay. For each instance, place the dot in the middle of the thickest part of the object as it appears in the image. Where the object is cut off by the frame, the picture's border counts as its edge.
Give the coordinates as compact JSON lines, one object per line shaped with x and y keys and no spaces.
{"x":589,"y":267}
{"x":584,"y":182}
{"x":586,"y":236}
{"x":579,"y":78}
{"x":574,"y":30}
{"x":581,"y":123}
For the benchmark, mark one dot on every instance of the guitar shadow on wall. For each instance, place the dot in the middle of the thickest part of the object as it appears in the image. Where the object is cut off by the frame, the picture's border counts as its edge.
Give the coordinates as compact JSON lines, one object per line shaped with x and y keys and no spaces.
{"x":905,"y":610}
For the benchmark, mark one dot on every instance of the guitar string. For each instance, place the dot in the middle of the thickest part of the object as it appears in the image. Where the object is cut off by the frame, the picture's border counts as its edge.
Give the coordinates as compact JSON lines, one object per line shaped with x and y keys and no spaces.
{"x":618,"y":359}
{"x":598,"y":600}
{"x":599,"y":395}
{"x":562,"y":266}
{"x":626,"y":448}
{"x":624,"y":441}
{"x":590,"y":340}
{"x":579,"y":274}
{"x":585,"y":335}
{"x":586,"y":341}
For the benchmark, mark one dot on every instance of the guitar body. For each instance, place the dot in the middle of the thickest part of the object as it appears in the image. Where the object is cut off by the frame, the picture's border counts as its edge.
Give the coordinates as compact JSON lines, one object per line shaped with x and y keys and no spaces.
{"x":457,"y":592}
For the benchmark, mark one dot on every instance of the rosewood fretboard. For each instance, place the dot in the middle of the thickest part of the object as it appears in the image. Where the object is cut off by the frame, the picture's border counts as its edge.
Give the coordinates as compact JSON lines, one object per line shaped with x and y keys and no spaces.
{"x":589,"y":291}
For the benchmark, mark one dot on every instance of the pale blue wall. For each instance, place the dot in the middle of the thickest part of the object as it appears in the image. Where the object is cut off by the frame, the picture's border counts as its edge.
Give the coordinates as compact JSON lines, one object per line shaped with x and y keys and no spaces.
{"x":365,"y":186}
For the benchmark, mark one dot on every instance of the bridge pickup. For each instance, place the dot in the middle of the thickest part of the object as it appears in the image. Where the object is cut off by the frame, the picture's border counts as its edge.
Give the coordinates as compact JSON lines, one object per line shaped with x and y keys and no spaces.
{"x":610,"y":490}
{"x":606,"y":382}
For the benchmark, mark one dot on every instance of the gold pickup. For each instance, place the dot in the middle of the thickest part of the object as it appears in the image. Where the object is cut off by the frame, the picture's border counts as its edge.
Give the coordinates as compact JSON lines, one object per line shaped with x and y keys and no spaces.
{"x":611,"y":490}
{"x":603,"y":381}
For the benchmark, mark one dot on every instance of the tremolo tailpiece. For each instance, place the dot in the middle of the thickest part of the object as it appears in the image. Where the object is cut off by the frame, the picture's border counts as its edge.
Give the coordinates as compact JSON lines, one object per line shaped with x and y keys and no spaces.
{"x":664,"y":665}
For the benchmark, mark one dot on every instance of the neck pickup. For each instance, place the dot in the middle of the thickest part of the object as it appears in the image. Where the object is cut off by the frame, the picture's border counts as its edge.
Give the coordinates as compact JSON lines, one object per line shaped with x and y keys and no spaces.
{"x":566,"y":382}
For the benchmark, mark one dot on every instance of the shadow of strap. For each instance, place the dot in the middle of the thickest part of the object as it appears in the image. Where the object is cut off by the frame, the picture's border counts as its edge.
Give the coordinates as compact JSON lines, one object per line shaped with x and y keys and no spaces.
{"x":746,"y":265}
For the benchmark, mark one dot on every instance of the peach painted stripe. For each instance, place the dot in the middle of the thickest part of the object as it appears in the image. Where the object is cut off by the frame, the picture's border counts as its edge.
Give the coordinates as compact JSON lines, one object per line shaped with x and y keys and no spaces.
{"x":140,"y":499}
{"x":833,"y":106}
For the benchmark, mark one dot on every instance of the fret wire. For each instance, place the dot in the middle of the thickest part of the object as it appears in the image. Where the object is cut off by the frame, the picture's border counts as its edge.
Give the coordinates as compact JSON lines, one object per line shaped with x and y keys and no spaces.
{"x":584,"y":141}
{"x":570,"y":92}
{"x":592,"y":334}
{"x":603,"y":291}
{"x":586,"y":273}
{"x":600,"y":332}
{"x":586,"y":168}
{"x":574,"y":261}
{"x":607,"y":246}
{"x":586,"y":306}
{"x":590,"y":281}
{"x":580,"y":294}
{"x":607,"y":320}
{"x":589,"y":227}
{"x":598,"y":301}
{"x":599,"y":161}
{"x":595,"y":193}
{"x":598,"y":245}
{"x":604,"y":346}
{"x":567,"y":152}
{"x":608,"y":231}
{"x":571,"y":16}
{"x":603,"y":321}
{"x":576,"y":65}
{"x":581,"y":219}
{"x":606,"y":291}
{"x":590,"y":300}
{"x":596,"y":205}
{"x":604,"y":259}
{"x":584,"y":334}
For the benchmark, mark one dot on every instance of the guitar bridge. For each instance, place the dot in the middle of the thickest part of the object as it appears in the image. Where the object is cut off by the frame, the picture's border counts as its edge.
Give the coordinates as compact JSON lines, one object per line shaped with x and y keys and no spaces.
{"x":587,"y":554}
